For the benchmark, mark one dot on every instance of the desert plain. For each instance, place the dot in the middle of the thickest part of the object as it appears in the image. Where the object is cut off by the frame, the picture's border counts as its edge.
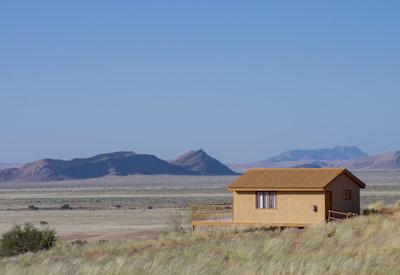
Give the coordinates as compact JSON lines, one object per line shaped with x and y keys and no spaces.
{"x":131,"y":207}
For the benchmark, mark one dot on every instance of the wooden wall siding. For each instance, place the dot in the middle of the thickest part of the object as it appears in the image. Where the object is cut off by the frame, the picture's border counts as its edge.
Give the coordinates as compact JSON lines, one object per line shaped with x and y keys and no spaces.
{"x":343,"y":182}
{"x":292,"y":207}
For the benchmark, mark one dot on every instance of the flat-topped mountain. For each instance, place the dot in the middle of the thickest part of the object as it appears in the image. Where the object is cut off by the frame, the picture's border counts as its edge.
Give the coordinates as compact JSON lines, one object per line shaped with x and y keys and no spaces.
{"x":324,"y":154}
{"x":324,"y":157}
{"x":201,"y":163}
{"x":118,"y":163}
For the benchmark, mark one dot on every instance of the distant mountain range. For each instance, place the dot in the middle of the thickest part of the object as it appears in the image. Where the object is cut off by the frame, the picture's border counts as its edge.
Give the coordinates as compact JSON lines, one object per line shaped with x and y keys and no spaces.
{"x":193,"y":163}
{"x":350,"y":157}
{"x":118,"y":163}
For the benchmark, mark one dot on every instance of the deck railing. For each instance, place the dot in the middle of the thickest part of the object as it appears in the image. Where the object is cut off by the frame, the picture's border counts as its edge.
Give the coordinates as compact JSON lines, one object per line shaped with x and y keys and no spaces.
{"x":336,"y":215}
{"x":212,"y":212}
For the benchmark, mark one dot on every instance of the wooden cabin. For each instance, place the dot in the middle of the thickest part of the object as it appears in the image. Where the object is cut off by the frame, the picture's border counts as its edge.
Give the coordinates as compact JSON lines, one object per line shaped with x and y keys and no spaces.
{"x":291,"y":197}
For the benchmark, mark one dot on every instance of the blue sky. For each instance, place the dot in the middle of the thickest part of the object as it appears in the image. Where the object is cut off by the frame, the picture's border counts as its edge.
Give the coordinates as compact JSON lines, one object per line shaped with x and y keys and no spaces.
{"x":241,"y":79}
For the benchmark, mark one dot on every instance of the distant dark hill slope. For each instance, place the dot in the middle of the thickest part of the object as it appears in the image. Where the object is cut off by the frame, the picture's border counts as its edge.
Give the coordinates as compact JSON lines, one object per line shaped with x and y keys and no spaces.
{"x":8,"y":174}
{"x":10,"y":165}
{"x":119,"y":163}
{"x":386,"y":161}
{"x":315,"y":164}
{"x":201,"y":163}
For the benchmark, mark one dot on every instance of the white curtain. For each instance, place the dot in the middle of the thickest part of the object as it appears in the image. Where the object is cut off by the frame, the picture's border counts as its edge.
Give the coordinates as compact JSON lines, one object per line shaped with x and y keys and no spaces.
{"x":260,"y":200}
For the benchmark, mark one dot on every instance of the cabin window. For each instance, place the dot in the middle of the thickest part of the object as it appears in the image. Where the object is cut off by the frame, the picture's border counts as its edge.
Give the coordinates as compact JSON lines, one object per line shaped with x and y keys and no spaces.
{"x":346,"y":194}
{"x":265,"y":200}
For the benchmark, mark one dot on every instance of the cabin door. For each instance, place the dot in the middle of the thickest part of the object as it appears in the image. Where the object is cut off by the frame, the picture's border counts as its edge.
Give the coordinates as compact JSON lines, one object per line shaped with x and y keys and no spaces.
{"x":328,"y":202}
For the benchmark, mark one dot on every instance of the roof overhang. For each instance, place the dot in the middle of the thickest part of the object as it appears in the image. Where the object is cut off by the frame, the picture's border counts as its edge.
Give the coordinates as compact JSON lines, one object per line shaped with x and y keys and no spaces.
{"x":276,"y":189}
{"x":354,"y":178}
{"x":253,"y":183}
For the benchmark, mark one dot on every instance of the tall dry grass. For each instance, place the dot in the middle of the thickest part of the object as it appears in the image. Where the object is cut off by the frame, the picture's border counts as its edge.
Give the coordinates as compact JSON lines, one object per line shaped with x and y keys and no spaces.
{"x":366,"y":244}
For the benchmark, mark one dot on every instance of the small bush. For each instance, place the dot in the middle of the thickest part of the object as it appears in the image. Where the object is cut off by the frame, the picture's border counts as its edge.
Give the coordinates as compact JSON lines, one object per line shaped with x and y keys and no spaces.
{"x":65,"y":207}
{"x":102,"y":241}
{"x":27,"y":238}
{"x":377,"y":206}
{"x":79,"y":243}
{"x":175,"y":221}
{"x":32,"y":207}
{"x":396,"y":206}
{"x":369,"y":211}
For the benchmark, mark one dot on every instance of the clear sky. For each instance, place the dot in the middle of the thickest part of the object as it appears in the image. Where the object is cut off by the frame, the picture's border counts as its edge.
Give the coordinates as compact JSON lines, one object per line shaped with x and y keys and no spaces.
{"x":243,"y":80}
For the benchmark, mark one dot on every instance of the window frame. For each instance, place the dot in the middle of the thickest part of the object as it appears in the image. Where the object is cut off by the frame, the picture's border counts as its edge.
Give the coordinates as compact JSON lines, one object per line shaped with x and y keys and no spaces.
{"x":266,"y":200}
{"x":346,"y":194}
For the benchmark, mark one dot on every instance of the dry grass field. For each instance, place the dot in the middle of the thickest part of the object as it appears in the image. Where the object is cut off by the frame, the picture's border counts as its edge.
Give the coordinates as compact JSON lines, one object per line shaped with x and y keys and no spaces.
{"x":365,"y":244}
{"x":94,"y":215}
{"x":138,"y":238}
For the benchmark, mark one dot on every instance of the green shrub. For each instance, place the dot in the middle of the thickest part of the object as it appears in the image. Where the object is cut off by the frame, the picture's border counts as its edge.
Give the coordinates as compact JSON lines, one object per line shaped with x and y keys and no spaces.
{"x":26,"y":238}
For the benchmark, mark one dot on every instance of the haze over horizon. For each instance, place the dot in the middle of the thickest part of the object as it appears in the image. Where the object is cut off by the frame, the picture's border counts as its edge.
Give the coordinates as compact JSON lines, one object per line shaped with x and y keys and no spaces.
{"x":243,"y":82}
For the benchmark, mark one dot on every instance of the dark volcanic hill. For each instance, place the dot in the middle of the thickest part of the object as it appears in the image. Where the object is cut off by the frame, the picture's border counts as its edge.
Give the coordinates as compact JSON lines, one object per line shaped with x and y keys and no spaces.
{"x":201,"y":163}
{"x":119,"y":163}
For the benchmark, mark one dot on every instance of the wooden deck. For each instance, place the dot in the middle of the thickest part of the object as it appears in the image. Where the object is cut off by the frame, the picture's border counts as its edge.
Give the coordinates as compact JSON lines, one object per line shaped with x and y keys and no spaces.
{"x":336,"y":215}
{"x":210,"y":215}
{"x":210,"y":223}
{"x":212,"y":212}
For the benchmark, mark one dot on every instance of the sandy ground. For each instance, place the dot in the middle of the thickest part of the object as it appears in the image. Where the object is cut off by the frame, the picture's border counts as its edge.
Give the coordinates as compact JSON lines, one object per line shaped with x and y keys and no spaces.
{"x":93,"y":225}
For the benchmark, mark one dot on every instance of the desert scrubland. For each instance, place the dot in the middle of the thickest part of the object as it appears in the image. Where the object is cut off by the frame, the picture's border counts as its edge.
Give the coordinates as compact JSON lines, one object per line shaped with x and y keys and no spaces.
{"x":146,"y":202}
{"x":365,"y":244}
{"x":150,"y":234}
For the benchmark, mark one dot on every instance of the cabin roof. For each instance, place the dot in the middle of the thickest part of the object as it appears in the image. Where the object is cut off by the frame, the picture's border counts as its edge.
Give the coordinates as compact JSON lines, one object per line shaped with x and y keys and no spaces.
{"x":290,"y":179}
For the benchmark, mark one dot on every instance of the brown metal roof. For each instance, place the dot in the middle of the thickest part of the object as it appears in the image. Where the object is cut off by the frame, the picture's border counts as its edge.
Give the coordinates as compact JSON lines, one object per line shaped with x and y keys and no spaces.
{"x":311,"y":179}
